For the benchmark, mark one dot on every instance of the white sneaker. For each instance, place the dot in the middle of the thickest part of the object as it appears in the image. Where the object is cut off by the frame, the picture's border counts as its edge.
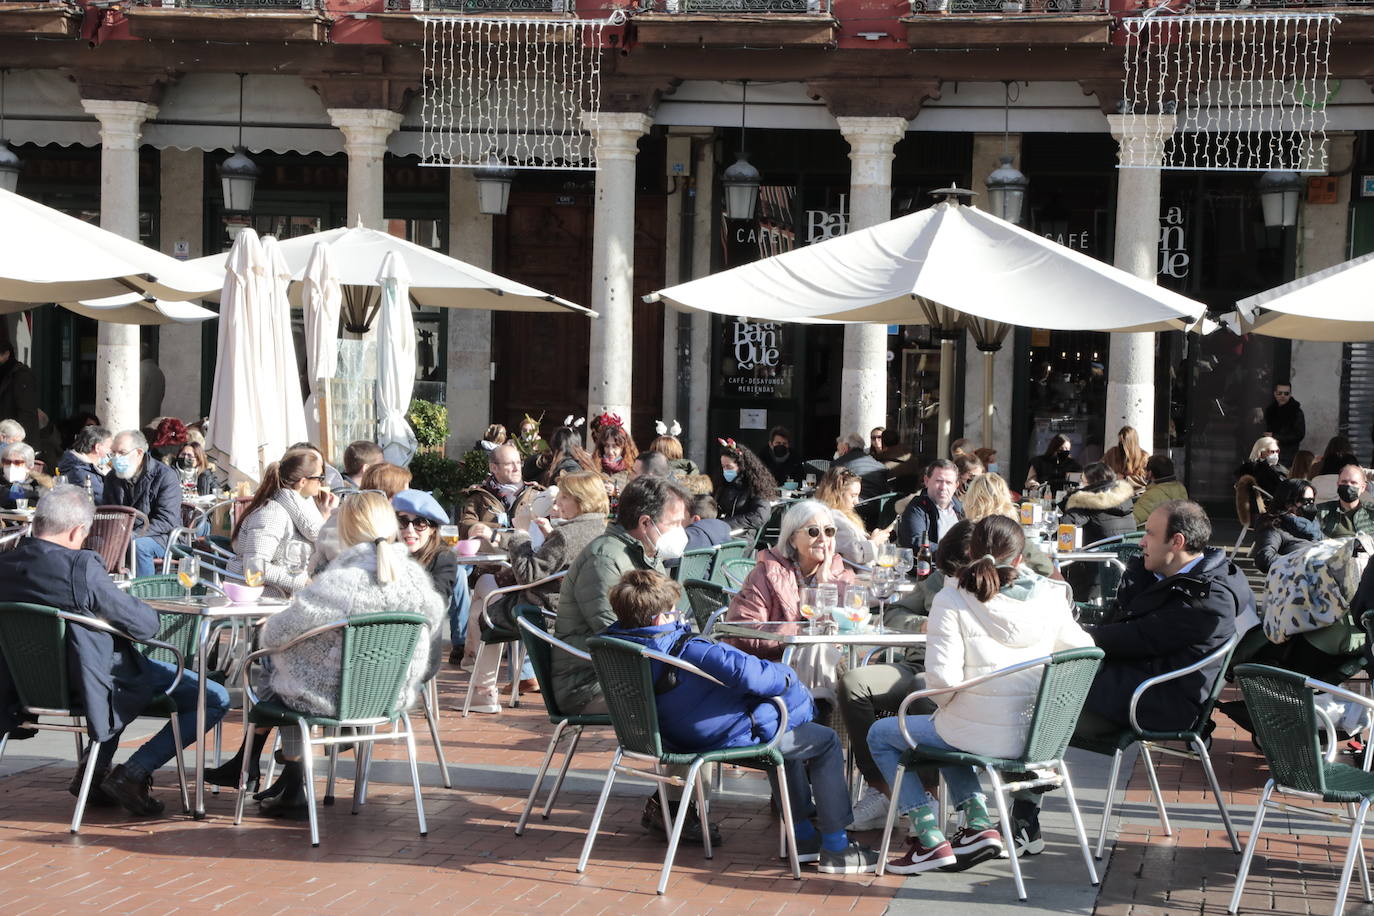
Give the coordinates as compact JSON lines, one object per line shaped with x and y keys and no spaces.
{"x":871,"y":811}
{"x":486,"y":702}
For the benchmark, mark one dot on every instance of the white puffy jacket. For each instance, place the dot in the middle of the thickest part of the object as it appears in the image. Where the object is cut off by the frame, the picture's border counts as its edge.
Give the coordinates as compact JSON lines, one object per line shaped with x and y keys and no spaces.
{"x":1029,"y":618}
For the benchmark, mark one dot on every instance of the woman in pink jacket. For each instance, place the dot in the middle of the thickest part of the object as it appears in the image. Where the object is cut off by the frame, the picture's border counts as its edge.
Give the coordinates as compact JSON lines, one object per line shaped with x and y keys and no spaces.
{"x":804,"y":556}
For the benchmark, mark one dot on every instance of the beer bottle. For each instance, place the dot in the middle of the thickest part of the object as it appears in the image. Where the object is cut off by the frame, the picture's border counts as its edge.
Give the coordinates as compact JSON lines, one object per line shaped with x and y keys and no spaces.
{"x":923,"y":562}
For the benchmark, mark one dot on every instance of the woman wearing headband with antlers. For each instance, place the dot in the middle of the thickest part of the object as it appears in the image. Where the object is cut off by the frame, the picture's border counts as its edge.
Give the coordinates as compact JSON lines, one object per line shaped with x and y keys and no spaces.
{"x":746,"y":488}
{"x":669,"y":446}
{"x":563,"y":455}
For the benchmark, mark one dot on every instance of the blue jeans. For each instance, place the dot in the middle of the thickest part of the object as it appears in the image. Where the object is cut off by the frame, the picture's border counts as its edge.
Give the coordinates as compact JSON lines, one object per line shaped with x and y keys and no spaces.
{"x":459,"y":604}
{"x":159,"y":749}
{"x":148,"y":550}
{"x":886,"y":742}
{"x":815,"y":774}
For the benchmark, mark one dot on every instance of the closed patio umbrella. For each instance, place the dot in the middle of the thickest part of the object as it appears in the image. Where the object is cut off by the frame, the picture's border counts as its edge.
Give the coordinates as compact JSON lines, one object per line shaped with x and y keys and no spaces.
{"x":283,"y":416}
{"x":395,"y":363}
{"x":320,"y":299}
{"x":234,"y":438}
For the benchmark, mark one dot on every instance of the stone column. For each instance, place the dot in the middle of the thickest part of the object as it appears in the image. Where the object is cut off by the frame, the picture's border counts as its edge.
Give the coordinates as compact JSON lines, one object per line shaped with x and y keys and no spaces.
{"x":610,"y":372}
{"x":1131,"y":366}
{"x":365,"y":133}
{"x":988,"y":150}
{"x":183,"y":219}
{"x":863,"y":377}
{"x":1323,"y":233}
{"x":117,"y":356}
{"x":703,"y":231}
{"x":469,"y":330}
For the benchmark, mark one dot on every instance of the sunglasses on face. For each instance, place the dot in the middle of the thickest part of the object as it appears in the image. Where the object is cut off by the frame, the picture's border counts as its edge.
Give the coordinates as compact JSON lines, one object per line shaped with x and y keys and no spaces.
{"x":320,"y":477}
{"x":419,"y":524}
{"x":816,"y":531}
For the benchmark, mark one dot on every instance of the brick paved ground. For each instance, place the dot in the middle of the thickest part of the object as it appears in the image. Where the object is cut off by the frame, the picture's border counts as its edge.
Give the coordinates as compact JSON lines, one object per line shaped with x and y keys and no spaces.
{"x":472,"y":862}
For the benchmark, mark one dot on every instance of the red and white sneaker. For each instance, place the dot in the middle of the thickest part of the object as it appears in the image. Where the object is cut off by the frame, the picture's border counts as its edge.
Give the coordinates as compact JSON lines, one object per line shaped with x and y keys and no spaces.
{"x":974,"y":846}
{"x":919,"y":858}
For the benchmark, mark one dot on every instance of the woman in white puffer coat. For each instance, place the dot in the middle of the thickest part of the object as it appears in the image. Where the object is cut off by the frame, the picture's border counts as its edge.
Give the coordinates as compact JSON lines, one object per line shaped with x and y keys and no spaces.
{"x":999,"y":613}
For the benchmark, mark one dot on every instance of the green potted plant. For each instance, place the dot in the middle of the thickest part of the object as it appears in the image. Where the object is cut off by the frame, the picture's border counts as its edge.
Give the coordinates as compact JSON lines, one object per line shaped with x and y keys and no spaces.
{"x":430,"y":423}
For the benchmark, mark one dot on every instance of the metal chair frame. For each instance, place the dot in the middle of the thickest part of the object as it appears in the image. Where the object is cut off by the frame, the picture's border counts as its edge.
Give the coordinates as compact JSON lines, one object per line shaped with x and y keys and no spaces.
{"x":139,"y":520}
{"x":77,"y":727}
{"x":1058,"y":778}
{"x":692,"y":782}
{"x":517,"y":650}
{"x":1196,"y":750}
{"x":366,"y":732}
{"x":565,"y":726}
{"x":1355,"y":815}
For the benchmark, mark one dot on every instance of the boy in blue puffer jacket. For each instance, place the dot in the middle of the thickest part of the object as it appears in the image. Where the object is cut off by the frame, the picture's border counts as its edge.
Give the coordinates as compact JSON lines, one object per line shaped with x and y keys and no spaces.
{"x":697,"y":715}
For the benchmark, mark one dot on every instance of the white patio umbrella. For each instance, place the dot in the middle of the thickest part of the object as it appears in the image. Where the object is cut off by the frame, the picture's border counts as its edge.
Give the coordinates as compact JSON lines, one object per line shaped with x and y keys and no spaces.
{"x":395,"y":362}
{"x":1333,"y":305}
{"x":436,"y":280}
{"x":283,"y":411}
{"x":320,"y":299}
{"x":132,"y":308}
{"x":941,"y":266}
{"x":234,"y":438}
{"x":48,"y":256}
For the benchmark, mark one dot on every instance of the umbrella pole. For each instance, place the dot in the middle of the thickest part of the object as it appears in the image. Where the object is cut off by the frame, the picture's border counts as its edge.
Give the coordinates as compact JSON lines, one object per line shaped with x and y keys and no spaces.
{"x":946,"y":418}
{"x":987,"y":398}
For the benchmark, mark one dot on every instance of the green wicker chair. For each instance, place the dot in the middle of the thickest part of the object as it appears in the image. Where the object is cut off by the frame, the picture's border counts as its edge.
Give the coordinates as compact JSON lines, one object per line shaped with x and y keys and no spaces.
{"x":695,"y":564}
{"x":730,"y":550}
{"x":877,"y":511}
{"x":1063,"y":689}
{"x":627,"y":683}
{"x":500,"y":635}
{"x":767,"y":536}
{"x":1287,"y":725}
{"x":1194,"y":738}
{"x":181,"y":630}
{"x":734,"y":572}
{"x":707,"y":601}
{"x":375,"y":655}
{"x":33,"y":641}
{"x":540,"y":646}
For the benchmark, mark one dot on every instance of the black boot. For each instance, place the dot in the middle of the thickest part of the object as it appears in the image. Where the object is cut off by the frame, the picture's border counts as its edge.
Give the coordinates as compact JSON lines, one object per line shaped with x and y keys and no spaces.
{"x":286,"y":797}
{"x":227,"y":773}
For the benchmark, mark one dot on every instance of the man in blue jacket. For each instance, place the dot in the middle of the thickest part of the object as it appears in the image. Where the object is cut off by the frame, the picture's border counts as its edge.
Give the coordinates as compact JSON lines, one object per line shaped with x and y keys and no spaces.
{"x":935,"y":511}
{"x":151,"y":487}
{"x":697,"y":715}
{"x":115,"y":681}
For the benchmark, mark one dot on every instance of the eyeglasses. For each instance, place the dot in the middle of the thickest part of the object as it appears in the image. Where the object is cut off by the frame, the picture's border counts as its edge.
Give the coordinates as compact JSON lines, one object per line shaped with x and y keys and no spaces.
{"x":320,"y":477}
{"x":419,"y":524}
{"x":816,"y":531}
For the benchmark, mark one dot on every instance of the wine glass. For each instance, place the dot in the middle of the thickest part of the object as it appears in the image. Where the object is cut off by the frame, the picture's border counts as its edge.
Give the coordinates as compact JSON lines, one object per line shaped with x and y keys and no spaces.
{"x":906,"y":561}
{"x":882,"y":586}
{"x":448,"y":535}
{"x":887,"y":555}
{"x":297,"y":557}
{"x":856,"y":605}
{"x":809,"y":605}
{"x":188,"y":574}
{"x":252,"y":572}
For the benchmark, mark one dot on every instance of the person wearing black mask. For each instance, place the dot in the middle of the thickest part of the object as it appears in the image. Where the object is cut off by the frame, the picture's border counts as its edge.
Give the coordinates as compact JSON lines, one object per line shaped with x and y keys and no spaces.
{"x":1054,"y":466}
{"x":1347,"y":515}
{"x":779,"y":458}
{"x":195,"y":470}
{"x":1285,"y":421}
{"x":1289,"y":524}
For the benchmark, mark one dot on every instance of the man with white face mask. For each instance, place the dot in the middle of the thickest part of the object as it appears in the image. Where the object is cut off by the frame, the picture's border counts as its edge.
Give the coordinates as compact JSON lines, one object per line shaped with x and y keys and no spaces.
{"x":648,"y":530}
{"x":21,"y":480}
{"x":149,"y":486}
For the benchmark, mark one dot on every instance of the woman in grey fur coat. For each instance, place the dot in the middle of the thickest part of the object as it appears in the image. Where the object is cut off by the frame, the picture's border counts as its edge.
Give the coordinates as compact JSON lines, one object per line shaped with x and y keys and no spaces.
{"x":582,"y":506}
{"x":373,"y":574}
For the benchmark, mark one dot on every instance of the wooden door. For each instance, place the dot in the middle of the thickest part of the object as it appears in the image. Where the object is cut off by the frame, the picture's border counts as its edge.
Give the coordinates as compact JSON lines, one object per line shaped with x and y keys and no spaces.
{"x":541,"y":359}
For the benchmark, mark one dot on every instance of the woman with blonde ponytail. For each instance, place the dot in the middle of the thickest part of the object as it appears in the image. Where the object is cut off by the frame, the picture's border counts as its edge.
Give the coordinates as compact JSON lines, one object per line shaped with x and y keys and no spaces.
{"x":1001,"y":613}
{"x":372,"y":574}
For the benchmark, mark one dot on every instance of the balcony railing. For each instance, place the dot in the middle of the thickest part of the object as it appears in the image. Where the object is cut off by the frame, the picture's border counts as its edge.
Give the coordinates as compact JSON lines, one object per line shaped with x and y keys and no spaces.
{"x":1128,"y":7}
{"x":250,"y":5}
{"x":478,"y":6}
{"x":736,"y":6}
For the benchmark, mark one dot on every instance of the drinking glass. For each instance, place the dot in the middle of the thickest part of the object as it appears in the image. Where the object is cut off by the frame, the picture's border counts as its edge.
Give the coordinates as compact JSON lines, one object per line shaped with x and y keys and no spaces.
{"x":252,"y":572}
{"x":21,"y":504}
{"x":188,"y":574}
{"x":297,"y":557}
{"x":906,"y":561}
{"x":828,"y":600}
{"x":810,"y":606}
{"x":887,"y":555}
{"x":856,"y":605}
{"x":448,"y":535}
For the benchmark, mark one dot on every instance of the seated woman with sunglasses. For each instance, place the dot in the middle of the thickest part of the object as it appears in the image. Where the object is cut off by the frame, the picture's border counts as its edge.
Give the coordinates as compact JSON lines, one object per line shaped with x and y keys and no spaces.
{"x":1288,"y":525}
{"x":805,"y":555}
{"x":418,"y":517}
{"x":289,"y":509}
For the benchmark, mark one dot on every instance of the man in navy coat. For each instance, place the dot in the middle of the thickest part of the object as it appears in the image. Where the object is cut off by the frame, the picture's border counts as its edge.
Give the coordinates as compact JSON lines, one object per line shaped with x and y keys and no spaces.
{"x":115,"y":681}
{"x":142,"y":482}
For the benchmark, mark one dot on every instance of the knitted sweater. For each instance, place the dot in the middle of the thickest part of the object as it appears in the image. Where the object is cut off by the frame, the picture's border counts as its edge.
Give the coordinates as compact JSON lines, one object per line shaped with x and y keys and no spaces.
{"x":306,"y":677}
